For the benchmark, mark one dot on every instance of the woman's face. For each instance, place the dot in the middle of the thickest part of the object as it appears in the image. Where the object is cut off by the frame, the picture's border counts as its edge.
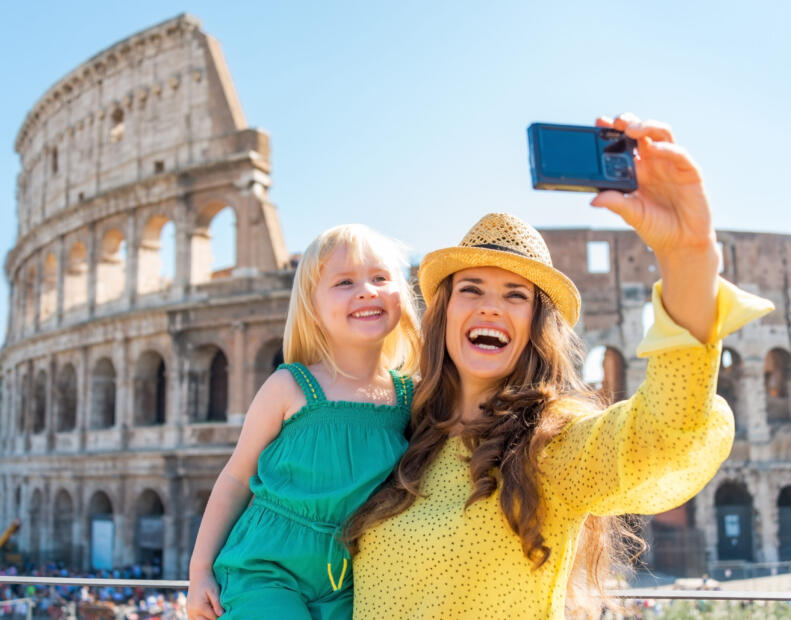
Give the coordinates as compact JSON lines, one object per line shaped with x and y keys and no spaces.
{"x":488,"y":323}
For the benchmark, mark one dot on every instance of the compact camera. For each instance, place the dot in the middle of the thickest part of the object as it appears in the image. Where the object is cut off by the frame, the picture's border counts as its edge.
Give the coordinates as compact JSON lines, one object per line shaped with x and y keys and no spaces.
{"x":581,"y":159}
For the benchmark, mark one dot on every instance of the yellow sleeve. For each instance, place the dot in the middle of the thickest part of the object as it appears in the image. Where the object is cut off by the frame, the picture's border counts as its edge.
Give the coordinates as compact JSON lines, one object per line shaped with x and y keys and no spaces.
{"x":658,"y":449}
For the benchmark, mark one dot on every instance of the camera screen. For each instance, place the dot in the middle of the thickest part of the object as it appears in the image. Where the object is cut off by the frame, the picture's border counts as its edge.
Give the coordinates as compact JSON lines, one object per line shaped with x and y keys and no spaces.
{"x":570,"y":154}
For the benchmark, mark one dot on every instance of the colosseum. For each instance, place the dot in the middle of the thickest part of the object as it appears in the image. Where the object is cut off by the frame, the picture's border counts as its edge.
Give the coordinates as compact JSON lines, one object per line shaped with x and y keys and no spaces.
{"x":125,"y":382}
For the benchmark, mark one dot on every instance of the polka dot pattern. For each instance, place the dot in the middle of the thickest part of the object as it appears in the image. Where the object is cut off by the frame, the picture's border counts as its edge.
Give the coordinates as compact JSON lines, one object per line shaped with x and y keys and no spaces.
{"x":645,"y":455}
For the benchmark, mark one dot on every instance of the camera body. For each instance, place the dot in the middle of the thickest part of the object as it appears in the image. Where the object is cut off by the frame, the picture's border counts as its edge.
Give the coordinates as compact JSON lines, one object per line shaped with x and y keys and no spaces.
{"x":581,"y":159}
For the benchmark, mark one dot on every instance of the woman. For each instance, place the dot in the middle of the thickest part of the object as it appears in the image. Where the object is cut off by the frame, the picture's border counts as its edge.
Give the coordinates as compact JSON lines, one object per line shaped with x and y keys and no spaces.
{"x":511,"y":464}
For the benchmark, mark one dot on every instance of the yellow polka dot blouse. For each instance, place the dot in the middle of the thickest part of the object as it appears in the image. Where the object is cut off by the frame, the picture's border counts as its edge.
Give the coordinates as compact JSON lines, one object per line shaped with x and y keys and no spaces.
{"x":644,"y":455}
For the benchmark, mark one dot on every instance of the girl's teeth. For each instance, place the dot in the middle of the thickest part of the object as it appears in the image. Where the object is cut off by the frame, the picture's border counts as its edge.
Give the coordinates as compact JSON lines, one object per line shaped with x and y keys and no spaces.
{"x":367,"y":313}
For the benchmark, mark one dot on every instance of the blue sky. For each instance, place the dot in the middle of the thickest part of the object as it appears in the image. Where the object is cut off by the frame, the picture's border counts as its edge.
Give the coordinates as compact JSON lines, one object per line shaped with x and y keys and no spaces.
{"x":411,"y":116}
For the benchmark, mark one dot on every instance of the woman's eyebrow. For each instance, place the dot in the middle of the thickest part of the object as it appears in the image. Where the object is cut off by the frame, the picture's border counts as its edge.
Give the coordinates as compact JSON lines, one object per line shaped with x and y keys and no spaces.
{"x":473,"y":280}
{"x":517,"y":285}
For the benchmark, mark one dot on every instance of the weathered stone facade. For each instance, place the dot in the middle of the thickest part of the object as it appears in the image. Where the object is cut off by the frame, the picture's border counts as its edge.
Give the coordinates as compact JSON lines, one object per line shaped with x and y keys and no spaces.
{"x":744,"y":513}
{"x":123,"y":391}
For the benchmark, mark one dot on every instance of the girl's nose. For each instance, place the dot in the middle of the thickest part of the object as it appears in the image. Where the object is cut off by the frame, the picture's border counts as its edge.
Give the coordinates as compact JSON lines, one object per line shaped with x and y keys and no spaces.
{"x":366,"y":291}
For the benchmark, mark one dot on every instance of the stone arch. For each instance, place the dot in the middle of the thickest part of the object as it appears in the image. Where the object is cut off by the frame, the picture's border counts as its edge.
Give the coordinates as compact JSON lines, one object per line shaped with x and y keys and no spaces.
{"x":267,"y":359}
{"x":150,"y":389}
{"x":111,"y":268}
{"x":116,"y":125}
{"x":777,"y":384}
{"x":102,"y":530}
{"x":728,"y":383}
{"x":75,"y":279}
{"x":155,"y":269}
{"x":150,"y":530}
{"x":734,"y":506}
{"x":213,"y":239}
{"x":36,"y":514}
{"x":66,"y":402}
{"x":49,"y":287}
{"x":40,"y":402}
{"x":62,"y":527}
{"x":199,"y":502}
{"x":784,"y":524}
{"x":605,"y":370}
{"x":103,"y":394}
{"x":208,"y":385}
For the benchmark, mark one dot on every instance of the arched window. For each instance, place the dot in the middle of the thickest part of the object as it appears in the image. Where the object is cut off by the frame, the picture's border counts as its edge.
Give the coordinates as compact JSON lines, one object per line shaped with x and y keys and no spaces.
{"x":156,"y":255}
{"x":150,"y":387}
{"x":728,"y":383}
{"x":150,"y":531}
{"x":116,"y":125}
{"x":75,"y":285}
{"x":40,"y":403}
{"x":102,"y":531}
{"x":208,"y":385}
{"x":734,"y":506}
{"x":62,"y":527}
{"x":49,"y":287}
{"x":66,"y":405}
{"x":111,"y":270}
{"x":213,"y":244}
{"x":777,"y":379}
{"x":103,"y":395}
{"x":605,"y":370}
{"x":784,"y":523}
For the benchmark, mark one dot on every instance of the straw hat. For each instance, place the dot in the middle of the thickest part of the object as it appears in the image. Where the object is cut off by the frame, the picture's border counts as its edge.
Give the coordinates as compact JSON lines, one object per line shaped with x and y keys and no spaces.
{"x":502,"y":240}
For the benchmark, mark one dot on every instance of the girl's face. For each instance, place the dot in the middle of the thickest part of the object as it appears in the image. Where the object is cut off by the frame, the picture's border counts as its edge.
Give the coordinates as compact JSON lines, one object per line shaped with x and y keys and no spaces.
{"x":488,"y":323}
{"x":358,"y":302}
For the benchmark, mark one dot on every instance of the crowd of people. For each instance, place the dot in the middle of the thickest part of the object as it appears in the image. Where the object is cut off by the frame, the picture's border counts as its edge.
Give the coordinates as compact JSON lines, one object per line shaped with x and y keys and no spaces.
{"x":92,"y":603}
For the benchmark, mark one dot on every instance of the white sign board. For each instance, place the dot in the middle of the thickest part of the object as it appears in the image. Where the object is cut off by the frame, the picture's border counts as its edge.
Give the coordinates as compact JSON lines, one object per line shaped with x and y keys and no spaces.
{"x":102,"y":532}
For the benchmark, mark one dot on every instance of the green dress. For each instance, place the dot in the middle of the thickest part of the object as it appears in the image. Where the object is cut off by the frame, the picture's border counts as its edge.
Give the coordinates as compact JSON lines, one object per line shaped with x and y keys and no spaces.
{"x":283,"y":559}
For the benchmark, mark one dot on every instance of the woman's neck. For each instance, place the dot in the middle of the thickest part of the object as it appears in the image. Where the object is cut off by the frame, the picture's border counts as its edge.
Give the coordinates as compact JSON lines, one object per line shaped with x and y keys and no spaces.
{"x":472,"y":395}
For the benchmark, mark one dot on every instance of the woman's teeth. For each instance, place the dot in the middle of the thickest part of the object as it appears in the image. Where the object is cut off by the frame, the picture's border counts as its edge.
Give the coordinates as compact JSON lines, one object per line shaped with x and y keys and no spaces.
{"x":492,"y":338}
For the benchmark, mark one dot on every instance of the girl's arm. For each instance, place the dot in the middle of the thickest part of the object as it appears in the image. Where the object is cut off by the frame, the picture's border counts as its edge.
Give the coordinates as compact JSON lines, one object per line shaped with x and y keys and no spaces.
{"x":230,"y":495}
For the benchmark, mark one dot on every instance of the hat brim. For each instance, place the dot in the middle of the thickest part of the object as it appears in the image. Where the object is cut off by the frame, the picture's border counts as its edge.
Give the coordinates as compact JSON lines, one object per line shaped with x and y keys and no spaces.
{"x":439,"y":264}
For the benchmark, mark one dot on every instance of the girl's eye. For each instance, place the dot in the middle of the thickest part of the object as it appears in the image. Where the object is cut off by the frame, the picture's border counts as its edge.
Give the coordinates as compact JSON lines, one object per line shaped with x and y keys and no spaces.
{"x":381,"y":278}
{"x":345,"y":282}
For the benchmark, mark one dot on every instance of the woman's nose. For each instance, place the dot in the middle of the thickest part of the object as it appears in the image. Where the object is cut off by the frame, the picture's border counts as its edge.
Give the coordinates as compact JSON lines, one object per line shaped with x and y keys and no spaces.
{"x":489,"y":309}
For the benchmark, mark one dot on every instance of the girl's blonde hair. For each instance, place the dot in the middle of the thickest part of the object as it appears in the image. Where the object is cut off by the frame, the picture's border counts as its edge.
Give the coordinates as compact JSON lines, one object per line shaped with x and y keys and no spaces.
{"x":305,"y":340}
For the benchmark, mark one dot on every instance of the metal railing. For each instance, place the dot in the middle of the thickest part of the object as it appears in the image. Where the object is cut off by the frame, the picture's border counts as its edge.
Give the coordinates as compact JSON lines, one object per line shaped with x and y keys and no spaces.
{"x":28,"y":605}
{"x":635,"y":593}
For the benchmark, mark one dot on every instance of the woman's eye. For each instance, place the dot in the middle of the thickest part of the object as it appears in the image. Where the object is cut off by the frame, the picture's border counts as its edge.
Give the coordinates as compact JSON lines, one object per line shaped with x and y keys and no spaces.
{"x":516,"y":295}
{"x":470,"y":289}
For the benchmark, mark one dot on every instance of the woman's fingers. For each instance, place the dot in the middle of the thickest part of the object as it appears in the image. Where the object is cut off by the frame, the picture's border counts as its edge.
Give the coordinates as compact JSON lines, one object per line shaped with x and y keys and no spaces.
{"x":628,"y":206}
{"x":604,"y":121}
{"x":655,"y":130}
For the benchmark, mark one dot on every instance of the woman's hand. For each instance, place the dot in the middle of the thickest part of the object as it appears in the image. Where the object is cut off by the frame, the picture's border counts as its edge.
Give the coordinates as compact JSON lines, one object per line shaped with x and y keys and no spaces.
{"x":203,"y":596}
{"x":669,"y":210}
{"x":671,"y":214}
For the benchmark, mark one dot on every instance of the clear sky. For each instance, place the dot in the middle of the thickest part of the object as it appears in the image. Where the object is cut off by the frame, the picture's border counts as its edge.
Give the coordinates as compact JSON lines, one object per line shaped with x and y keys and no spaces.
{"x":410,"y":116}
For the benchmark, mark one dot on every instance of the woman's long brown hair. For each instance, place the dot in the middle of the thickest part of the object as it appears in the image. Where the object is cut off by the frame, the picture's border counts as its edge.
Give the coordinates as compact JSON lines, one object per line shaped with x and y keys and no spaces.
{"x":505,"y":442}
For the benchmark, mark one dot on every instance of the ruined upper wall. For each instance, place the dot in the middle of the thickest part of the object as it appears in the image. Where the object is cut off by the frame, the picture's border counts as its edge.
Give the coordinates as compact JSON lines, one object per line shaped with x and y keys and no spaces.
{"x":158,"y":101}
{"x":758,"y":262}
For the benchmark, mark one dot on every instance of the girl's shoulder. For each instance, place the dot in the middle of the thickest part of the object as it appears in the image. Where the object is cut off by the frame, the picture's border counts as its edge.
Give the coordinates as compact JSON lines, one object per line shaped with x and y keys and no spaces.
{"x":283,"y":384}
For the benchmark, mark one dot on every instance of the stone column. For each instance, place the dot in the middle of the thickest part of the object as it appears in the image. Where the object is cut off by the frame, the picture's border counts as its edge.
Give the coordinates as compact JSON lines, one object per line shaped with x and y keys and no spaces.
{"x":37,"y":293}
{"x":183,"y":268}
{"x":92,"y":255}
{"x":132,"y":262}
{"x":123,"y":389}
{"x":752,"y":399}
{"x":83,"y":398}
{"x":50,"y":423}
{"x":61,"y":272}
{"x":766,"y":509}
{"x":236,"y":391}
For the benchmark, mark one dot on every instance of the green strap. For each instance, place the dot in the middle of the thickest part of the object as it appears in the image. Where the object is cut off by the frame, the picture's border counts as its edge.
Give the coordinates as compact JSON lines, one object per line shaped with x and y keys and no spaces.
{"x":310,"y":386}
{"x":403,"y":389}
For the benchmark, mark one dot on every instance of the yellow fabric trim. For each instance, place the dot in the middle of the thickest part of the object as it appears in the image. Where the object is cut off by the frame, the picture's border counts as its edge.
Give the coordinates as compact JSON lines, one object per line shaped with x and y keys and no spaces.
{"x":735,"y":308}
{"x":343,"y":573}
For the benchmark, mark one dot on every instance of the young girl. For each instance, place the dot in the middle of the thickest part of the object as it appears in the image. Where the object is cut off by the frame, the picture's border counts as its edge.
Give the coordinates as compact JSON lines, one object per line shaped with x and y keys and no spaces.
{"x":322,"y":433}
